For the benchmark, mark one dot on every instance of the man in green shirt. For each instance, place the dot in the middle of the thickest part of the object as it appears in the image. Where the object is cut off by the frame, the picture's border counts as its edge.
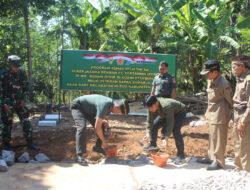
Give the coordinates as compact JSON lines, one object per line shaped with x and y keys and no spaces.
{"x":164,"y":85}
{"x":94,"y":108}
{"x":169,"y":115}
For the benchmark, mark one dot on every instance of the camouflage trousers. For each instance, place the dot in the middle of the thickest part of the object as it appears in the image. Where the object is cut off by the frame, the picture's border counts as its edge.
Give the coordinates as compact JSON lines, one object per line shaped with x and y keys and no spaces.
{"x":7,"y":120}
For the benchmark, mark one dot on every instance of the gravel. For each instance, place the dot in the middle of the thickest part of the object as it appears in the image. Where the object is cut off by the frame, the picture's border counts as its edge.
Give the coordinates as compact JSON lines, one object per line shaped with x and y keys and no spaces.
{"x":229,"y":180}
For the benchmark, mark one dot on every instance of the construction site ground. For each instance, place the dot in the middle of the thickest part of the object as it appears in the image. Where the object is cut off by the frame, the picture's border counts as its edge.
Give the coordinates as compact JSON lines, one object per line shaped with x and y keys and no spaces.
{"x":58,"y":143}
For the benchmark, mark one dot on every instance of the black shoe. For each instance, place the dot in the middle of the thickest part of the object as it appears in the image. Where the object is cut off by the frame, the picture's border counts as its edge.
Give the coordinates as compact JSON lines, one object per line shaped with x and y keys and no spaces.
{"x":99,"y":150}
{"x":204,"y":161}
{"x":80,"y":160}
{"x":7,"y":146}
{"x":214,"y":166}
{"x":31,"y":146}
{"x":151,"y":147}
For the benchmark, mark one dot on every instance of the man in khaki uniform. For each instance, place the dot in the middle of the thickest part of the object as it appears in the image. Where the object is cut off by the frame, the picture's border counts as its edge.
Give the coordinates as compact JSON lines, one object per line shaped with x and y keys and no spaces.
{"x":241,"y":127}
{"x":218,"y":114}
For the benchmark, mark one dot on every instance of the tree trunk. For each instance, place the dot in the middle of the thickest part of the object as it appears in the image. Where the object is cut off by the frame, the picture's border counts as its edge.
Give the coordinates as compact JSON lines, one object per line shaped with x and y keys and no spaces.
{"x":26,"y":20}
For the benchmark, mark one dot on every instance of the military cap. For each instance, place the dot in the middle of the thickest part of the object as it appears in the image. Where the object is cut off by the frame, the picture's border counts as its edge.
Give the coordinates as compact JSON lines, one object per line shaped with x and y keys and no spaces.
{"x":210,"y":65}
{"x":14,"y":60}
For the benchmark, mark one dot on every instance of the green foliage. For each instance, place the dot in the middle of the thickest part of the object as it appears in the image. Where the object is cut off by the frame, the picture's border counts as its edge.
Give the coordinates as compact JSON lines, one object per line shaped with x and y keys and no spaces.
{"x":195,"y":30}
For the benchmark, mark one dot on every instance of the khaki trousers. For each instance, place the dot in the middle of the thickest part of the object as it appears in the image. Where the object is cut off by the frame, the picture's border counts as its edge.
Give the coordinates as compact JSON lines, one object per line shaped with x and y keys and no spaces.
{"x":217,"y":143}
{"x":242,"y":149}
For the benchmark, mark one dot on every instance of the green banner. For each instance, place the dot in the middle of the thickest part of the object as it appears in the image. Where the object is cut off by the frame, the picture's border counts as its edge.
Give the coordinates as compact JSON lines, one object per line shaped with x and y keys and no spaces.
{"x":111,"y":71}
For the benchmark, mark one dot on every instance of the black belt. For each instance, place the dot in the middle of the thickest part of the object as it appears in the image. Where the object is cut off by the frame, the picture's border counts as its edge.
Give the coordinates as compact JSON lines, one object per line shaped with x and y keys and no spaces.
{"x":163,"y":96}
{"x":240,"y":107}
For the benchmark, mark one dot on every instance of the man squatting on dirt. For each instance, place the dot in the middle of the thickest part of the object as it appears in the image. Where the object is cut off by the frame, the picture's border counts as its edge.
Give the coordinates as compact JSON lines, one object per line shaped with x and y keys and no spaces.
{"x":95,"y":109}
{"x":168,"y":114}
{"x":218,"y":114}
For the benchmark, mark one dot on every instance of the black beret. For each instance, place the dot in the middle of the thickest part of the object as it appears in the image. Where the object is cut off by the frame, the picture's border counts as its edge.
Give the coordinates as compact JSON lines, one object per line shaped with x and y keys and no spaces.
{"x":210,"y":65}
{"x":150,"y":100}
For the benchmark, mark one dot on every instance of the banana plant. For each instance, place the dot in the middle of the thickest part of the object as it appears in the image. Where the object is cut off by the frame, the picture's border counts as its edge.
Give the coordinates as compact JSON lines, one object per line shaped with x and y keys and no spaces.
{"x":214,"y":20}
{"x":137,"y":22}
{"x":86,"y":22}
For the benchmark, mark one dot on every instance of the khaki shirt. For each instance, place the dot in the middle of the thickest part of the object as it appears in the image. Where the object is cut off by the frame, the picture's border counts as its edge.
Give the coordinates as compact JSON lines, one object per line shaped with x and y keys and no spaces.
{"x":241,"y":98}
{"x":220,"y":101}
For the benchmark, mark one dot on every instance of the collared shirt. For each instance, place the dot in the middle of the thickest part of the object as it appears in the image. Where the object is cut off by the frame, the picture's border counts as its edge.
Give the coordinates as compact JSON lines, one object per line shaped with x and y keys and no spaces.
{"x":167,"y":109}
{"x":241,"y":98}
{"x":220,"y":101}
{"x":164,"y":84}
{"x":95,"y":105}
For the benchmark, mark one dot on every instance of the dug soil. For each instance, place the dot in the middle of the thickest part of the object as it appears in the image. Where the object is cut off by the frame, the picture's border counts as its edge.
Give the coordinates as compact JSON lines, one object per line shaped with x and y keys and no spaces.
{"x":58,"y":143}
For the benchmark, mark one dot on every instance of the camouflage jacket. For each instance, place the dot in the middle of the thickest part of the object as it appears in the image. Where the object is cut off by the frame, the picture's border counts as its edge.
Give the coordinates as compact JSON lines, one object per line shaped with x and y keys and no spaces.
{"x":14,"y":87}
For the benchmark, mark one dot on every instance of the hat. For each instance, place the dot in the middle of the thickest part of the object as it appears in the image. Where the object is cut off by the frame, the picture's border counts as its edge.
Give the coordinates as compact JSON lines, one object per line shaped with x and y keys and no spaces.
{"x":241,"y":59}
{"x":150,"y":100}
{"x":210,"y":65}
{"x":124,"y":106}
{"x":14,"y":60}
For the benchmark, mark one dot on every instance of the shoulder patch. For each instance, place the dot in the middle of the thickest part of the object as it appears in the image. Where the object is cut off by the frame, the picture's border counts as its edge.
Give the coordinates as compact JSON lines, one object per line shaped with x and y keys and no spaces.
{"x":173,"y":79}
{"x":248,"y":77}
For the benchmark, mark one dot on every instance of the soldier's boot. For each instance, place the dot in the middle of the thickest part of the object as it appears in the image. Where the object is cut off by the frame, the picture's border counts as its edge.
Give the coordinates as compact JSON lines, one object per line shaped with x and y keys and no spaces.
{"x":30,"y":145}
{"x":7,"y":146}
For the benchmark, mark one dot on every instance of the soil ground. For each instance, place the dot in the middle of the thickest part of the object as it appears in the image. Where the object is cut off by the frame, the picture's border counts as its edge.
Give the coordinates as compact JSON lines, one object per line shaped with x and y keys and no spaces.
{"x":58,"y":143}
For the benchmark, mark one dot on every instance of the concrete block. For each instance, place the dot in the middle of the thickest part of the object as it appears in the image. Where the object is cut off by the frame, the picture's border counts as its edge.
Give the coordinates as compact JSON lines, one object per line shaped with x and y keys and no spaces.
{"x":52,"y":116}
{"x":50,"y":123}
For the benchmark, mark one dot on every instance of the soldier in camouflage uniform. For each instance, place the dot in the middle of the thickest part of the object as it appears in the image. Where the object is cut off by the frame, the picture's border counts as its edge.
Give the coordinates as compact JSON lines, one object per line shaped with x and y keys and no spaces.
{"x":13,"y":98}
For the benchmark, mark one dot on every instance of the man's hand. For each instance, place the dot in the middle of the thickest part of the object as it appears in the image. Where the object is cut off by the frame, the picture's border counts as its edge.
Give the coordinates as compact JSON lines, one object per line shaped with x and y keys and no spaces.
{"x":241,"y":129}
{"x":104,"y":144}
{"x":165,"y":142}
{"x":98,"y":128}
{"x":231,"y":123}
{"x":146,"y":137}
{"x":107,"y":129}
{"x":7,"y":109}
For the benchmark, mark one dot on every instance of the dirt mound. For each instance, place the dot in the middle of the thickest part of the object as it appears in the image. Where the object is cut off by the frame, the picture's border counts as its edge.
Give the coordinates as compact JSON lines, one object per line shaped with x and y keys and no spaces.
{"x":58,"y":143}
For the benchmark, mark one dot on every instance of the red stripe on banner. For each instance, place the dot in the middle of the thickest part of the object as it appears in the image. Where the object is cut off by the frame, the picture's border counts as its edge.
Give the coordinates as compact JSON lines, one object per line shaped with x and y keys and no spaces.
{"x":144,"y":57}
{"x":102,"y":55}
